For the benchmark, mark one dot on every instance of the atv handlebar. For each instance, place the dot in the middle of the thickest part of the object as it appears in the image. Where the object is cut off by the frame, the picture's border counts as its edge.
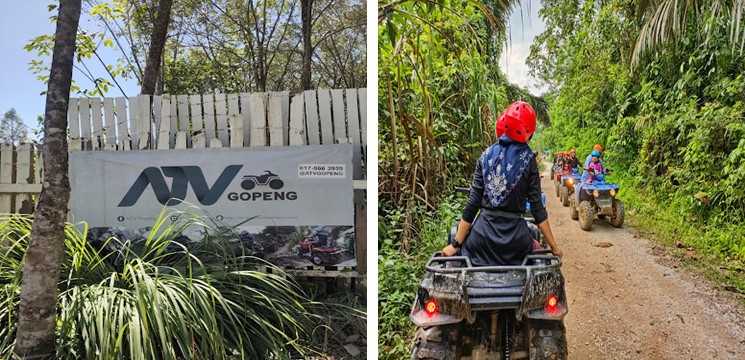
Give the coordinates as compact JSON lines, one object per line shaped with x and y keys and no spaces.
{"x":460,"y":189}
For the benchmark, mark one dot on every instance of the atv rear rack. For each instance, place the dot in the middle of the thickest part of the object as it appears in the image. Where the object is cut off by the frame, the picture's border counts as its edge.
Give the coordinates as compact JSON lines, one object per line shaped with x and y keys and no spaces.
{"x":494,"y":287}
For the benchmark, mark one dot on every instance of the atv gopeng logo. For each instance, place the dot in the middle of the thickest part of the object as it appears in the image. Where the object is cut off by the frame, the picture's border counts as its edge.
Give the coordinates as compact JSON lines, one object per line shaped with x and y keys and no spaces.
{"x":183,"y":176}
{"x":269,"y":179}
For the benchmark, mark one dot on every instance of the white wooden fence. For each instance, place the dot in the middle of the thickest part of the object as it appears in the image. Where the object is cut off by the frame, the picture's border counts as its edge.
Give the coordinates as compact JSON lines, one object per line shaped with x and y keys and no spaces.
{"x":222,"y":120}
{"x":20,"y":170}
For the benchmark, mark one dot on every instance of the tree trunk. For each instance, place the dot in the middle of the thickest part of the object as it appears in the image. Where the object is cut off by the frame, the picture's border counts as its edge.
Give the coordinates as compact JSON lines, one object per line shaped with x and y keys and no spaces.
{"x":306,"y":12}
{"x":46,"y":249}
{"x":157,"y":44}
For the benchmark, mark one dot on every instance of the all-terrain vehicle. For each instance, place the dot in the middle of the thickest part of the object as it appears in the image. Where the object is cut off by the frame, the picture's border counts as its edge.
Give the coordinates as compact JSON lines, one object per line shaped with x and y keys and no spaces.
{"x":568,"y":179}
{"x":596,"y":198}
{"x":555,"y":165}
{"x":490,"y":312}
{"x":269,"y":178}
{"x":494,"y":312}
{"x":319,"y":255}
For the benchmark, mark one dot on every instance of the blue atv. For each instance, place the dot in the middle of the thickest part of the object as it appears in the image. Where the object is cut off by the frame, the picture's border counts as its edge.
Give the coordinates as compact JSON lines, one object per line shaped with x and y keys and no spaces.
{"x":596,"y":198}
{"x":567,"y":185}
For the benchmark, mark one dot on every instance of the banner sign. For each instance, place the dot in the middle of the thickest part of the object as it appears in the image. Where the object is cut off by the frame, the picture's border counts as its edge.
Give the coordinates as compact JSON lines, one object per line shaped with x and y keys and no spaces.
{"x":272,"y":186}
{"x":289,"y":205}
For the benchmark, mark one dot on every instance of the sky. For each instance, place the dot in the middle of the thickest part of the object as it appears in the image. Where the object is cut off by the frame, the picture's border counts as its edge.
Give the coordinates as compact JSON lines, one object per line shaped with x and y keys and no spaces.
{"x":21,"y":21}
{"x":524,"y":26}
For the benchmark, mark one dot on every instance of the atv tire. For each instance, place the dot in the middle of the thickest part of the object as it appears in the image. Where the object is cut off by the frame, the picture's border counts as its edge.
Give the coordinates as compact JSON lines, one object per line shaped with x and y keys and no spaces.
{"x":248,"y":184}
{"x":556,"y":186}
{"x":586,"y":215}
{"x":316,"y":259}
{"x":430,"y":349}
{"x":548,"y":340}
{"x":276,"y":184}
{"x":564,"y":196}
{"x":616,"y":218}
{"x":573,"y":207}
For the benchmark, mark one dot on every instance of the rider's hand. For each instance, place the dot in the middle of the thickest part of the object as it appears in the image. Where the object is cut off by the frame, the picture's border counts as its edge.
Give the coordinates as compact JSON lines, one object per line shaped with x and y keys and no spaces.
{"x":556,"y":250}
{"x":449,"y":250}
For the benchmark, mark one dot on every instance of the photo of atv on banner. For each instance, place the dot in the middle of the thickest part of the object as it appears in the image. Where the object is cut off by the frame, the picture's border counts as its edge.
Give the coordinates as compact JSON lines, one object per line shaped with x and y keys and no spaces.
{"x":596,"y":198}
{"x":269,"y":178}
{"x":318,"y":255}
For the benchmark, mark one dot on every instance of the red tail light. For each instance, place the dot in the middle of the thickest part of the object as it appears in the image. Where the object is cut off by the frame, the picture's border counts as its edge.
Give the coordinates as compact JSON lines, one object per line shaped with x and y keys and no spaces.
{"x":430,"y":307}
{"x":552,"y":303}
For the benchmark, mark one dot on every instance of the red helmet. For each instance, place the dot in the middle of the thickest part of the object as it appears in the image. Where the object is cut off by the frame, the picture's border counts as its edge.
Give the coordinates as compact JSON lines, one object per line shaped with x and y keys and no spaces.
{"x":598,"y":148}
{"x":519,"y":121}
{"x":500,"y":125}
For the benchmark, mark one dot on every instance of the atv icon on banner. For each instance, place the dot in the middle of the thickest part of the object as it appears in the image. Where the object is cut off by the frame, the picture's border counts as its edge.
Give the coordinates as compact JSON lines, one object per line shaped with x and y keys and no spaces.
{"x":269,"y":178}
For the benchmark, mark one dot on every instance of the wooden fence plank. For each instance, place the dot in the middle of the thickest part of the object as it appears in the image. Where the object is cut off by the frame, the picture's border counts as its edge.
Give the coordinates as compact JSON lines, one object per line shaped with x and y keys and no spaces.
{"x":340,"y":126}
{"x":23,"y":175}
{"x":183,"y":116}
{"x":198,"y":141}
{"x":174,"y":120}
{"x":164,"y":128}
{"x":324,"y":110}
{"x":221,"y":115}
{"x":97,"y":122}
{"x":183,"y":112}
{"x":297,"y":107}
{"x":197,"y":124}
{"x":108,"y":114}
{"x":354,"y":134}
{"x":246,"y":116}
{"x":285,"y":106}
{"x":85,"y":123}
{"x":6,"y":175}
{"x":73,"y":119}
{"x":208,"y":101}
{"x":311,"y":117}
{"x":121,"y":121}
{"x":234,"y":117}
{"x":215,"y":143}
{"x":353,"y":117}
{"x":134,"y":122}
{"x":146,"y":124}
{"x":275,"y":121}
{"x":38,"y":164}
{"x":236,"y":130}
{"x":363,"y":114}
{"x":157,"y":111}
{"x":258,"y":119}
{"x":181,"y":140}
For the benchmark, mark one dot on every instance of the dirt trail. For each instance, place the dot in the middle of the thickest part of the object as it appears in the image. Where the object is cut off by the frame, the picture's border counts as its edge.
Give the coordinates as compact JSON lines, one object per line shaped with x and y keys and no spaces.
{"x":631,"y":301}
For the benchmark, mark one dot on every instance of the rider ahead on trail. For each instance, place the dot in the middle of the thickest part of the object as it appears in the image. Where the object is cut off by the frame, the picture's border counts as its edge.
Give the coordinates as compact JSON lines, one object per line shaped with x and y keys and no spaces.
{"x":588,"y":161}
{"x":505,"y":177}
{"x":572,"y":162}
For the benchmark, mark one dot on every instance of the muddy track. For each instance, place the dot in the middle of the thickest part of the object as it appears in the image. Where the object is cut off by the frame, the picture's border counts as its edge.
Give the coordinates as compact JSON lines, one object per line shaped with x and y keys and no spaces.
{"x":632,"y":301}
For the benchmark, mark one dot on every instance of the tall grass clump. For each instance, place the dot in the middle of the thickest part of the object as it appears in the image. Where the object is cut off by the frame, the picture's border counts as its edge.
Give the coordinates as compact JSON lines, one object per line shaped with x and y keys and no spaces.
{"x":158,"y":298}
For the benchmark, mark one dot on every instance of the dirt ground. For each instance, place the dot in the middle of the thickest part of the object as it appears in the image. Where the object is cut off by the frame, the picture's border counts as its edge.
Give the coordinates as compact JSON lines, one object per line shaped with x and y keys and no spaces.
{"x":633,"y":301}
